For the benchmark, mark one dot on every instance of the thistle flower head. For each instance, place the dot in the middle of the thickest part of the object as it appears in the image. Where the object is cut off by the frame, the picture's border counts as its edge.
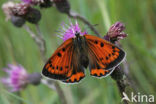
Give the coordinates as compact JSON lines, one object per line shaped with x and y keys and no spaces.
{"x":115,"y":32}
{"x":20,"y":9}
{"x":7,"y":9}
{"x":62,"y":5}
{"x":27,"y":1}
{"x":41,"y":3}
{"x":15,"y":9}
{"x":69,"y":31}
{"x":17,"y":77}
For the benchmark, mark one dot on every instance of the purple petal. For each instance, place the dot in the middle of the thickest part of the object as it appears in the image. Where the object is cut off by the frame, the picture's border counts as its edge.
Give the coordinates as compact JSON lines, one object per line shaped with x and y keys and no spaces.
{"x":4,"y":80}
{"x":70,"y":31}
{"x":115,"y":32}
{"x":27,"y":1}
{"x":17,"y":77}
{"x":6,"y":70}
{"x":12,"y":67}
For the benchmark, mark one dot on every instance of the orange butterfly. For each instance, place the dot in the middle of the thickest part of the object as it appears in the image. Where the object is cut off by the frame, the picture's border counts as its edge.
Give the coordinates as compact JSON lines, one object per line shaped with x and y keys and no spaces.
{"x":69,"y":61}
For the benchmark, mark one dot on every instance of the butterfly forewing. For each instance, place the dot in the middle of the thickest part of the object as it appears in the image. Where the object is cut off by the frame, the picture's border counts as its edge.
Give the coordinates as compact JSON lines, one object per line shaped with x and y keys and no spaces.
{"x":59,"y":65}
{"x":103,"y":55}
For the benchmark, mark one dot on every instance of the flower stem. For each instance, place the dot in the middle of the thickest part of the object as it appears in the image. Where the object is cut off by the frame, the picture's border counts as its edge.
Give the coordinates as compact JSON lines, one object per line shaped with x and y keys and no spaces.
{"x":41,"y":45}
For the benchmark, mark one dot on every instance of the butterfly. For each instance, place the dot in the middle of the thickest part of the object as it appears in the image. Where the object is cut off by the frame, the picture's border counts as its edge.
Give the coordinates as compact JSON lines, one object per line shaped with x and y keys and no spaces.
{"x":69,"y":61}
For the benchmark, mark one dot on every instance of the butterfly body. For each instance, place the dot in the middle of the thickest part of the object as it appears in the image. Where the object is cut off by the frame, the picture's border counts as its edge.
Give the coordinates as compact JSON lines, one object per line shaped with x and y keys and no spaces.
{"x":69,"y":61}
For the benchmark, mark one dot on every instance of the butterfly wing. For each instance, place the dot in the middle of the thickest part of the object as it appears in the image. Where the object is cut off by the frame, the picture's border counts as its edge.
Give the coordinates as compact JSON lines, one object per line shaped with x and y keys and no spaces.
{"x":77,"y":65}
{"x":64,"y":64}
{"x":59,"y":65}
{"x":103,"y":56}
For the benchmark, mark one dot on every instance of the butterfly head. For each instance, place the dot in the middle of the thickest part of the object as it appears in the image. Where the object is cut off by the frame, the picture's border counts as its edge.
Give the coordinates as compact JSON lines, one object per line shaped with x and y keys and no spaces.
{"x":78,"y":39}
{"x":77,"y":34}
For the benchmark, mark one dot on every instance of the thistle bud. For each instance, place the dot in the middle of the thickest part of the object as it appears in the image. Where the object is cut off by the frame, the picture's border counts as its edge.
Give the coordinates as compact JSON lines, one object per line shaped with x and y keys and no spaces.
{"x":62,"y":5}
{"x":7,"y":9}
{"x":116,"y":33}
{"x":46,"y":4}
{"x":33,"y":16}
{"x":17,"y":21}
{"x":34,"y":78}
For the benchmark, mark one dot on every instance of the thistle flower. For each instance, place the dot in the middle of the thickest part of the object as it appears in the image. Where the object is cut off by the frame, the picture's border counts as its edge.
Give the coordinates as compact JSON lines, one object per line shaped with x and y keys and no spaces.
{"x":17,"y":77}
{"x":27,"y":1}
{"x":115,"y":32}
{"x":28,"y":13}
{"x":7,"y":9}
{"x":69,"y":31}
{"x":19,"y":13}
{"x":41,"y":3}
{"x":32,"y":2}
{"x":20,"y":9}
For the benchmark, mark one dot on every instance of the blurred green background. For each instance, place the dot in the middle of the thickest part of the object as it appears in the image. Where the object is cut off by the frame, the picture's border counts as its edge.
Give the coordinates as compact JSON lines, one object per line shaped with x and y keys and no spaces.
{"x":139,"y":16}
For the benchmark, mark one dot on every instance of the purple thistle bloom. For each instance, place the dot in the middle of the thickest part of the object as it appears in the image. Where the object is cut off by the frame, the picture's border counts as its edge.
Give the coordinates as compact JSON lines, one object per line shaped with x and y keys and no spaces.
{"x":69,"y":31}
{"x":115,"y":32}
{"x":27,"y":1}
{"x":17,"y":77}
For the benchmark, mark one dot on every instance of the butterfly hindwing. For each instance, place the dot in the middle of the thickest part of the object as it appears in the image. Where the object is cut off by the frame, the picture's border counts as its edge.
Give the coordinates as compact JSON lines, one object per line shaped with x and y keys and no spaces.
{"x":78,"y":69}
{"x":103,"y":55}
{"x":77,"y":75}
{"x":59,"y":65}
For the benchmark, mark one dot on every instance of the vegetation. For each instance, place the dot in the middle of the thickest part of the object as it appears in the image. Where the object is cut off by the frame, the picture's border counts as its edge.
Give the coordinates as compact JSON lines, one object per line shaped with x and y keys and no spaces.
{"x":16,"y":46}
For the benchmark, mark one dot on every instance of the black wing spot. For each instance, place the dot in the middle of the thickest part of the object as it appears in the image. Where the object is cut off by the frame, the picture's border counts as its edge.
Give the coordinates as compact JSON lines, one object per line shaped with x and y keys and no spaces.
{"x":96,"y":42}
{"x":109,"y":55}
{"x":101,"y":74}
{"x":66,"y":66}
{"x":95,"y":74}
{"x":102,"y":44}
{"x":81,"y":78}
{"x":113,"y":47}
{"x":75,"y":80}
{"x":98,"y":67}
{"x":50,"y":65}
{"x":53,"y":67}
{"x":61,"y":68}
{"x":70,"y":80}
{"x":63,"y":49}
{"x":59,"y":54}
{"x":114,"y":51}
{"x":57,"y":67}
{"x":106,"y":58}
{"x":113,"y":54}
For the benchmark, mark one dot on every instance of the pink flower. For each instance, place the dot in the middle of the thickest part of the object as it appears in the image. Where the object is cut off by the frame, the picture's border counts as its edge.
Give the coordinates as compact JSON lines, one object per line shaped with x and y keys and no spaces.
{"x":17,"y":77}
{"x":115,"y":32}
{"x":27,"y":1}
{"x":69,"y":31}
